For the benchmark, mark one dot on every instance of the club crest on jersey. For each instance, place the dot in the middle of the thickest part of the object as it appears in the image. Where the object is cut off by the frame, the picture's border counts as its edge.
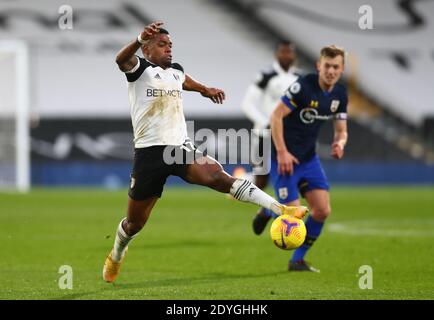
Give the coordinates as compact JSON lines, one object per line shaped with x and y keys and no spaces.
{"x":176,"y":76}
{"x":295,"y":88}
{"x":133,"y":183}
{"x":334,"y":106}
{"x":283,"y":193}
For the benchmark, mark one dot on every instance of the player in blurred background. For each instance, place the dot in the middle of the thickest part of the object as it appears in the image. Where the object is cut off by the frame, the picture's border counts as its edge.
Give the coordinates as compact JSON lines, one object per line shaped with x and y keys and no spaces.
{"x":295,"y":126}
{"x":259,"y":102}
{"x":155,"y":87}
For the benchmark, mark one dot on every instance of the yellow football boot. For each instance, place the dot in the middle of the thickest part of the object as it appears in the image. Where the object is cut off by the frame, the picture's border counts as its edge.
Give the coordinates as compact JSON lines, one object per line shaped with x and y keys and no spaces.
{"x":298,"y":212}
{"x":111,"y":268}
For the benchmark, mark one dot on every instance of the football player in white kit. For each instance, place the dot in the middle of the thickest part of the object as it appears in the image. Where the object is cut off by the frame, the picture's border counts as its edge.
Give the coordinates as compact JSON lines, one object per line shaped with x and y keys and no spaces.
{"x":155,"y":87}
{"x":259,"y":103}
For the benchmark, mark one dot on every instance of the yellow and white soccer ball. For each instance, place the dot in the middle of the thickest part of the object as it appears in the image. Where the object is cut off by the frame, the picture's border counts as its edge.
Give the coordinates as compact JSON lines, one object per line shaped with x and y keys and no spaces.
{"x":288,"y":232}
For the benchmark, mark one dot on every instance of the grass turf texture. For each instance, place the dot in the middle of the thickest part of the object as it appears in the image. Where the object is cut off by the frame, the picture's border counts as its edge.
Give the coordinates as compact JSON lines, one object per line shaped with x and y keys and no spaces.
{"x":199,"y":245}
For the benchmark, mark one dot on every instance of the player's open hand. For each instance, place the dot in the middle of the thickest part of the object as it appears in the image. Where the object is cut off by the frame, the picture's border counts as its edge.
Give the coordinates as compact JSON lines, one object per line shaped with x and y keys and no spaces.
{"x":151,"y":30}
{"x":216,"y":95}
{"x":285,"y":163}
{"x":337,"y":151}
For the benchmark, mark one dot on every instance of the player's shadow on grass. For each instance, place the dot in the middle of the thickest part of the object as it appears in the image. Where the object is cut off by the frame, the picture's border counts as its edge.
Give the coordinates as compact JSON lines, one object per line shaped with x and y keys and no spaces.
{"x":190,"y":281}
{"x":75,"y":296}
{"x":208,"y":278}
{"x":187,"y":243}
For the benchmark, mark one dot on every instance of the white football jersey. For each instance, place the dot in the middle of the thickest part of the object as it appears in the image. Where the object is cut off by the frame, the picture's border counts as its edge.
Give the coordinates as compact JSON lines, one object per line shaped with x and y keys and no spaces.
{"x":155,"y":96}
{"x":263,"y":96}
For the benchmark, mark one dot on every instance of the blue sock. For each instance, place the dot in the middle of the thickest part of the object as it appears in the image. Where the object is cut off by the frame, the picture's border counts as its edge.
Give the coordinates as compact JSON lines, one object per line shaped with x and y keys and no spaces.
{"x":313,"y":231}
{"x":270,"y":213}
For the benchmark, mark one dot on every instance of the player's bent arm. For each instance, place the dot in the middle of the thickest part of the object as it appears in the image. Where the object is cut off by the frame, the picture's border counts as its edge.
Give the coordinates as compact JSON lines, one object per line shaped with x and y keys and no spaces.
{"x":126,"y":58}
{"x":216,"y":95}
{"x":276,"y":123}
{"x":192,"y":85}
{"x":250,"y":106}
{"x":285,"y":160}
{"x":341,"y":133}
{"x":340,"y":138}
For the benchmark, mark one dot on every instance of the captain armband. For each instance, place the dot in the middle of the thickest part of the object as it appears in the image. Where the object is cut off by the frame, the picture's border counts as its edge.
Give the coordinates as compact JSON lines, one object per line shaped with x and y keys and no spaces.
{"x":341,"y":116}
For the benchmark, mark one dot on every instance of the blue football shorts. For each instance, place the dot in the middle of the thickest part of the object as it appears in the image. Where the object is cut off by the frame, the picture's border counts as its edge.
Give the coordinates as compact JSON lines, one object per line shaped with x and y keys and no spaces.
{"x":307,"y":176}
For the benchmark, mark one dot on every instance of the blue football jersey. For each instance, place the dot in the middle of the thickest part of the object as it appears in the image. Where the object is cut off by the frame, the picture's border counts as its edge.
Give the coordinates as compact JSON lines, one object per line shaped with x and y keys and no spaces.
{"x":310,"y":108}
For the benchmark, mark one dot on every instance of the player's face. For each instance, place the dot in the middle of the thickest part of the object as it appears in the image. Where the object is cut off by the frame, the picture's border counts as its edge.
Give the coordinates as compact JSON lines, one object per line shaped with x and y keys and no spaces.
{"x":159,"y":50}
{"x":330,"y":69}
{"x":286,"y":56}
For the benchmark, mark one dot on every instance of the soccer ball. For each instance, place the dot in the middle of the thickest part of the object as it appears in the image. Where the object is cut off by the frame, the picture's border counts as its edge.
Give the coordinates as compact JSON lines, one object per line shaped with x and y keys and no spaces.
{"x":288,"y":232}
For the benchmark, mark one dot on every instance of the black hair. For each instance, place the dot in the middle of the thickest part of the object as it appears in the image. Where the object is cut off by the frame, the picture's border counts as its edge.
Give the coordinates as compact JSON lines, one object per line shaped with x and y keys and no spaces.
{"x":163,"y":31}
{"x":285,"y":42}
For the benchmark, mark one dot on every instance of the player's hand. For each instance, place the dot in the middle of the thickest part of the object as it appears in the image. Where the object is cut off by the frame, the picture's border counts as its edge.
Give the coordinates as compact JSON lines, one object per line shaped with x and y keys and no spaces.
{"x":151,"y":30}
{"x":216,"y":95}
{"x":337,"y":150}
{"x":285,"y":162}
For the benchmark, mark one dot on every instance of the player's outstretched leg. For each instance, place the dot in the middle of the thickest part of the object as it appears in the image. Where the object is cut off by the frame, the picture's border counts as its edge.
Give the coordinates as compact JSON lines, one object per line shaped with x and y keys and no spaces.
{"x":247,"y":192}
{"x":261,"y":181}
{"x":138,"y":214}
{"x":210,"y":173}
{"x":264,"y":215}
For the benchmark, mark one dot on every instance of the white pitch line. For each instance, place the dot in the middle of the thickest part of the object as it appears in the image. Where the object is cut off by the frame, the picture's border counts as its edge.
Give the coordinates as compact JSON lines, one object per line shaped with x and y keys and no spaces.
{"x":355,"y":229}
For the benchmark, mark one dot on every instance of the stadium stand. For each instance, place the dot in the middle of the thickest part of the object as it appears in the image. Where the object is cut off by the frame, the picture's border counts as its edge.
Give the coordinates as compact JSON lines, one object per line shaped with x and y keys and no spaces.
{"x":223,"y":44}
{"x":400,"y":51}
{"x":401,"y":96}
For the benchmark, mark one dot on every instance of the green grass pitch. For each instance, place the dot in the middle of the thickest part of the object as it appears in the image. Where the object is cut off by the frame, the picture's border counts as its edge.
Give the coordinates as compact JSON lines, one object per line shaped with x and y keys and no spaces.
{"x":199,"y":245}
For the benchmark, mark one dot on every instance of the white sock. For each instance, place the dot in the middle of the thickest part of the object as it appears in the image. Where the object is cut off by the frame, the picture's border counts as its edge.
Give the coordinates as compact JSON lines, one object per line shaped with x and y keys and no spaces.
{"x":121,"y":243}
{"x":246,"y":191}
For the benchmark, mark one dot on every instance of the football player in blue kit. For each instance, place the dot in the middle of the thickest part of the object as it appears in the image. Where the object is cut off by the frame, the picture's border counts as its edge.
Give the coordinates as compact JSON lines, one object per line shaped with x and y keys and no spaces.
{"x":295,"y":126}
